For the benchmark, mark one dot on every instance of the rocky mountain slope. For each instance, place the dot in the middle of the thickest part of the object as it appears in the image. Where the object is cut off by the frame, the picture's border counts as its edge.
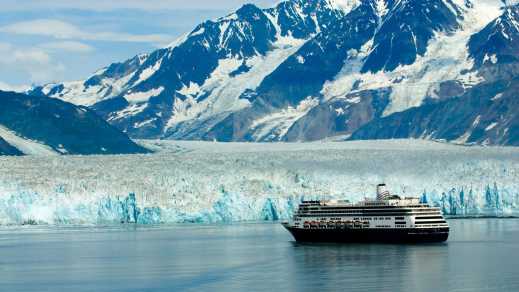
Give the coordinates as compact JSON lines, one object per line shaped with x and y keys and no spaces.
{"x":41,"y":125}
{"x":487,"y":114}
{"x":310,"y":70}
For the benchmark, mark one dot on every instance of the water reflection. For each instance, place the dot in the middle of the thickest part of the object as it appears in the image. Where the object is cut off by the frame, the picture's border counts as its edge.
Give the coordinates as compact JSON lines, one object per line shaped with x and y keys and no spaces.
{"x":367,"y":266}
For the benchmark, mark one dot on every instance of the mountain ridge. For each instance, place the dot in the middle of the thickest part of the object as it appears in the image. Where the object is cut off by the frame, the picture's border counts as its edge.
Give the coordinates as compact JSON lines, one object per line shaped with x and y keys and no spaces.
{"x":304,"y":70}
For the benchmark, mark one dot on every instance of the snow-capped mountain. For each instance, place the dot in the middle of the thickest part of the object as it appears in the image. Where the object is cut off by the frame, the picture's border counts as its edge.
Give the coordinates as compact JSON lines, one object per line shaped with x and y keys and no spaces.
{"x":307,"y":70}
{"x":495,"y":49}
{"x":35,"y":125}
{"x":485,"y":113}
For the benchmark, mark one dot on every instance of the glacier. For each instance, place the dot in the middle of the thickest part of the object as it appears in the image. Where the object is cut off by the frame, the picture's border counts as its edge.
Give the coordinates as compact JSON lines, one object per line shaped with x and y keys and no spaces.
{"x":209,"y":182}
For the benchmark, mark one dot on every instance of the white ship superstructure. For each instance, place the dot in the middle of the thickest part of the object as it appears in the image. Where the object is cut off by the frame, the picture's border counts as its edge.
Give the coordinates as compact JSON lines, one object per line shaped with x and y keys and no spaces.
{"x":388,"y":218}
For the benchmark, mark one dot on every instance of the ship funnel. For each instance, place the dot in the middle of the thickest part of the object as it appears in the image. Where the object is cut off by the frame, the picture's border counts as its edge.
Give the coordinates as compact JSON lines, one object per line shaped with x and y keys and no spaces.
{"x":382,"y":192}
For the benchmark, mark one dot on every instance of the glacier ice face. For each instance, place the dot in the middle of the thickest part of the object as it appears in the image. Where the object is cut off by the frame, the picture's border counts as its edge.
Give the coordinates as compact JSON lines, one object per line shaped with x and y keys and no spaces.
{"x":203,"y":182}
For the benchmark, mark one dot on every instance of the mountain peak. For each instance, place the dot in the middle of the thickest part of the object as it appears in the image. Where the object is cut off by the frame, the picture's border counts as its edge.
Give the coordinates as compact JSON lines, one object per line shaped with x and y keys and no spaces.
{"x":498,"y":42}
{"x":247,"y":10}
{"x":406,"y":30}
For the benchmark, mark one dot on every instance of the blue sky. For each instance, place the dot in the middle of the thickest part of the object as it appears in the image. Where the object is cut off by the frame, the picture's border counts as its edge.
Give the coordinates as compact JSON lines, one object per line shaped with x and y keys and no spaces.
{"x":45,"y":41}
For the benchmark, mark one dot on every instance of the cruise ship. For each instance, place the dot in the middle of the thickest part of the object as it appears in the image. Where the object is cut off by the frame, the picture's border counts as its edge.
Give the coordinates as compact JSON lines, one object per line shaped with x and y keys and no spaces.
{"x":388,"y":218}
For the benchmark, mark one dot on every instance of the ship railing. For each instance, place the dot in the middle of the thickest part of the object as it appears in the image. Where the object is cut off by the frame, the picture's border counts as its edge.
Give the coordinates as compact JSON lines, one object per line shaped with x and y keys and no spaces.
{"x":336,"y":224}
{"x":349,"y":224}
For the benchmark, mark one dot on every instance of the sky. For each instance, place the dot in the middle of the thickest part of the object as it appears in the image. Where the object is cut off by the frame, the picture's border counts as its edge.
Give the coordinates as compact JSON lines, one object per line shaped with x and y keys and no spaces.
{"x":44,"y":41}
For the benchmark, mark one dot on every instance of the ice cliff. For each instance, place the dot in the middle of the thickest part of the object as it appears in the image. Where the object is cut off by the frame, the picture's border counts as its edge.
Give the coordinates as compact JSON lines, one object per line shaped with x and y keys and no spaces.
{"x":204,"y":182}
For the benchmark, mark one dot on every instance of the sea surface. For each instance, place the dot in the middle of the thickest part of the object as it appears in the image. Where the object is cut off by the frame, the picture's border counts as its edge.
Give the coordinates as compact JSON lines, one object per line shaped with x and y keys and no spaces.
{"x":481,"y":255}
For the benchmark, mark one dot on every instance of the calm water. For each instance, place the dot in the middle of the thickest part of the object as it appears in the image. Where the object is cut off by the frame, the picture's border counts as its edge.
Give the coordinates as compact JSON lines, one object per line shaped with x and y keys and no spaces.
{"x":481,"y":255}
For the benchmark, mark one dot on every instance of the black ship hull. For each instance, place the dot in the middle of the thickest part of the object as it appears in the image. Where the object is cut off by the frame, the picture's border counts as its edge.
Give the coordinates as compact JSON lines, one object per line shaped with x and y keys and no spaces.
{"x":400,"y":235}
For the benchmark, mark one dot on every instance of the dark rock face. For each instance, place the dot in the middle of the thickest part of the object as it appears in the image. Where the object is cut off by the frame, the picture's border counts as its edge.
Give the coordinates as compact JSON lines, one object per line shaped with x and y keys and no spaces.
{"x":64,"y":127}
{"x":339,"y":116}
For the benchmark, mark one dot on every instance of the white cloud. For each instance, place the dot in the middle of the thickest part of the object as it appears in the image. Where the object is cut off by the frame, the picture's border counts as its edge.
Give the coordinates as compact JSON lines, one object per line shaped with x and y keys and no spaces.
{"x":68,"y":46}
{"x":31,"y":55}
{"x":17,"y":88}
{"x":44,"y":27}
{"x":63,"y":30}
{"x":34,"y":62}
{"x":147,"y":5}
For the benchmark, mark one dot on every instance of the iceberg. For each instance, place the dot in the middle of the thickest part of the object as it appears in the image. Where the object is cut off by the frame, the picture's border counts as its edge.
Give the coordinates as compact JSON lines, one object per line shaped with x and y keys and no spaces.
{"x":205,"y":182}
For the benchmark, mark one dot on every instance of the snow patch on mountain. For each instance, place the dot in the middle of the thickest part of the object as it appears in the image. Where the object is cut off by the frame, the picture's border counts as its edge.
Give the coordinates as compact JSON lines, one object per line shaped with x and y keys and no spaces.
{"x":465,"y":137}
{"x":192,"y":89}
{"x":180,"y":40}
{"x":144,"y":123}
{"x":148,"y":72}
{"x":497,"y":96}
{"x":381,"y":7}
{"x":139,"y":97}
{"x":224,"y":89}
{"x":491,"y":126}
{"x":77,"y":93}
{"x":345,"y":5}
{"x":275,"y":126}
{"x":349,"y":74}
{"x":26,"y":146}
{"x":131,"y":110}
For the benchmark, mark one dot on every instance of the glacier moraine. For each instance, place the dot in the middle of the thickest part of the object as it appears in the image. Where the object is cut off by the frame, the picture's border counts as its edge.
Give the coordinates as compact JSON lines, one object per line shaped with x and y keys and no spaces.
{"x":227,"y":182}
